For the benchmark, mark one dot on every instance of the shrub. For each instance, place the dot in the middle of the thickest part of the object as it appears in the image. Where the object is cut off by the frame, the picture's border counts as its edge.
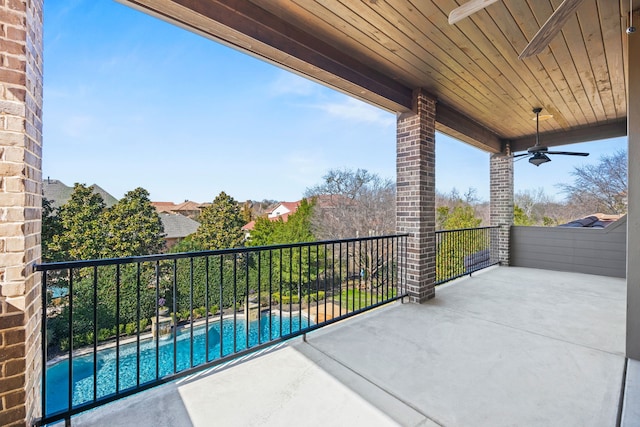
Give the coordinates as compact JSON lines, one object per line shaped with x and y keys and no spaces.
{"x":315,"y":296}
{"x":285,"y":299}
{"x":199,"y":312}
{"x":105,"y":334}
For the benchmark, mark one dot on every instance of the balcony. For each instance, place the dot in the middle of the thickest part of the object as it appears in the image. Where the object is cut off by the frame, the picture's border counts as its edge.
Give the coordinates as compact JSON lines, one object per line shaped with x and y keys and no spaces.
{"x":507,"y":346}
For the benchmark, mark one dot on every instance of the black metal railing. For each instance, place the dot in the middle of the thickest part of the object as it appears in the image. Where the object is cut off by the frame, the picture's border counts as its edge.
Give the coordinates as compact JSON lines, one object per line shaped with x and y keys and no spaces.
{"x":464,"y":251}
{"x":114,"y":327}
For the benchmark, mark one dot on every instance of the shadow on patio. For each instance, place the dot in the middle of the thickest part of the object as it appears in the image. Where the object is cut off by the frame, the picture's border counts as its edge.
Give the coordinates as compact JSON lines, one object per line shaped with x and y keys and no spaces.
{"x":506,"y":347}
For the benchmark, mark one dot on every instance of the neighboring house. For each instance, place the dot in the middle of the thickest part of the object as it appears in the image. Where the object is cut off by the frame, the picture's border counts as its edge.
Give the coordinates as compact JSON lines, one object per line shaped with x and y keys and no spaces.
{"x":281,"y":211}
{"x":58,"y":193}
{"x":163,"y":206}
{"x":187,"y":208}
{"x":177,"y":227}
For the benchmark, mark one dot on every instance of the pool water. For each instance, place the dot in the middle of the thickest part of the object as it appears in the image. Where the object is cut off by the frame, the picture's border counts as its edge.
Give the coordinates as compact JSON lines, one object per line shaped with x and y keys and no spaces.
{"x":83,"y":387}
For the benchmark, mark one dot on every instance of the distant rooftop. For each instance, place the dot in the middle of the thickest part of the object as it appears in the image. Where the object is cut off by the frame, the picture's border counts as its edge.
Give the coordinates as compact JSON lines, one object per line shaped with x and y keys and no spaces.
{"x":597,"y":220}
{"x":59,"y":193}
{"x":178,"y":226}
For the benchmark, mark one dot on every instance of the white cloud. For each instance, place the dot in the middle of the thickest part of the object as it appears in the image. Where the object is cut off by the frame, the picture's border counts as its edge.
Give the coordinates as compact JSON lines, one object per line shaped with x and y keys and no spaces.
{"x":358,"y":111}
{"x":291,"y":84}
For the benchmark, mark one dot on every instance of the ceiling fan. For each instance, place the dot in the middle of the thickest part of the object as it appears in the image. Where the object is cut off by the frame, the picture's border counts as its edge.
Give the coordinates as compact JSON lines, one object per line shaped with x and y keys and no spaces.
{"x":544,"y":35}
{"x":538,"y":152}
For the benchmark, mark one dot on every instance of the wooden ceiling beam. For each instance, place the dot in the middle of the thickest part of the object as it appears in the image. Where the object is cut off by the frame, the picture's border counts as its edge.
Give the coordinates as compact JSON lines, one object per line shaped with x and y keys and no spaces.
{"x":247,"y":27}
{"x":457,"y":125}
{"x":572,"y":136}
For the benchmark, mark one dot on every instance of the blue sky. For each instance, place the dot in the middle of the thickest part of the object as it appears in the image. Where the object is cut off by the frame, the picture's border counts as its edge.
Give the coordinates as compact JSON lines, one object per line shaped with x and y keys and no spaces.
{"x":131,"y":101}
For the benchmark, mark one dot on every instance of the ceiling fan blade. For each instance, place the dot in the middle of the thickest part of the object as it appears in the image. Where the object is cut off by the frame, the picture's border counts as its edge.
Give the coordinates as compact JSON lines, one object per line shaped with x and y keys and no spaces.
{"x":521,"y":155}
{"x":469,"y":8}
{"x":550,"y":28}
{"x":567,"y":153}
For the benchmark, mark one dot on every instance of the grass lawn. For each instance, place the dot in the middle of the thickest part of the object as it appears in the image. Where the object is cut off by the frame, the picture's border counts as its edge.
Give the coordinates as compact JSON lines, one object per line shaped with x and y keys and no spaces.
{"x":355,"y":299}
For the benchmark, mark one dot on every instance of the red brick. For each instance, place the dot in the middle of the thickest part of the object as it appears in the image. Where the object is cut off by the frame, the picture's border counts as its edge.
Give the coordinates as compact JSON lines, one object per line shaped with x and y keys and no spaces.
{"x":12,"y":352}
{"x":14,"y":33}
{"x":17,"y":5}
{"x":13,"y":417}
{"x":13,"y":77}
{"x":12,"y":47}
{"x":14,"y":399}
{"x":9,"y":321}
{"x":14,"y":336}
{"x":12,"y":383}
{"x":14,"y":367}
{"x":12,"y":18}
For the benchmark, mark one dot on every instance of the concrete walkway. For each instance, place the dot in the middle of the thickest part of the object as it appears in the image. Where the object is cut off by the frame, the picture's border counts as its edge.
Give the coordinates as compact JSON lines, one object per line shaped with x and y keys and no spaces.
{"x":506,"y":347}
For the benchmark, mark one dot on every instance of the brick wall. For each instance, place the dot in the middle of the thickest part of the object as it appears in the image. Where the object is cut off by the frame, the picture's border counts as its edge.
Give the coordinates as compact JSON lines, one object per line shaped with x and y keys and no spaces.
{"x":415,"y":208}
{"x":501,"y":194}
{"x":20,"y":213}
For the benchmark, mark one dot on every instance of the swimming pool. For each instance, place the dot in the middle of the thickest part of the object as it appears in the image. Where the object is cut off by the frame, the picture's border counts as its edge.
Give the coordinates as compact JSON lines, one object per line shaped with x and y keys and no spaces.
{"x":83,"y":382}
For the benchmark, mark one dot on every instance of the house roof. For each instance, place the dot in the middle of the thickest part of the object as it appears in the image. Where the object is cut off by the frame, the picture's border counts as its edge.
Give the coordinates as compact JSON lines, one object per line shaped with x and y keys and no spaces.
{"x":178,"y":226}
{"x":382,"y":51}
{"x":290,"y":206}
{"x":163,"y":206}
{"x":597,"y":220}
{"x":59,"y":193}
{"x":187,"y":205}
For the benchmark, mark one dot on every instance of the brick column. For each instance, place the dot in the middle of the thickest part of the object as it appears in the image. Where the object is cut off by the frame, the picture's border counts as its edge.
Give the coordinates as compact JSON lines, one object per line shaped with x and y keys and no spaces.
{"x":416,"y":190}
{"x":501,"y":194}
{"x":20,"y":209}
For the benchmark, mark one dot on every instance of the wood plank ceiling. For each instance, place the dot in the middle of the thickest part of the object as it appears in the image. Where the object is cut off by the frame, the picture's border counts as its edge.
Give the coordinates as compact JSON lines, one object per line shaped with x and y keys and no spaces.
{"x":381,"y":50}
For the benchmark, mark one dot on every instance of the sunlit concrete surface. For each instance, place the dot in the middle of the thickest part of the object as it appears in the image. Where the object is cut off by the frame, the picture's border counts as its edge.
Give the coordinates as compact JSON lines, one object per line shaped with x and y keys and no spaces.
{"x":506,"y":347}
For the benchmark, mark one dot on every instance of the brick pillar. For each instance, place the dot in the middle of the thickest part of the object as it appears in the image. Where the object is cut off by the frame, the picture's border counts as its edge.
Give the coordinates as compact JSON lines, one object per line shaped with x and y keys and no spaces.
{"x":501,"y":194}
{"x":20,"y":209}
{"x":416,"y":190}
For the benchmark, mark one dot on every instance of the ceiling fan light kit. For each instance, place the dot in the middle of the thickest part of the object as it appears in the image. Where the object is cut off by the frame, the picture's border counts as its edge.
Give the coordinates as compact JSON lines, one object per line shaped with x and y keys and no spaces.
{"x":539,"y":158}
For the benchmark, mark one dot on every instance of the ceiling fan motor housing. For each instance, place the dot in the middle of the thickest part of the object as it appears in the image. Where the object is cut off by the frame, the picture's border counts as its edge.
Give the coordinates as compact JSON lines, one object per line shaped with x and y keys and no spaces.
{"x":538,"y":148}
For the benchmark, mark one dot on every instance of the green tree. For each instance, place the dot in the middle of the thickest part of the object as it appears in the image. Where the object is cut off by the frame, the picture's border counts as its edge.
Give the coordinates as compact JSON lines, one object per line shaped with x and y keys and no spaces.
{"x":520,"y":217}
{"x":221,"y":224}
{"x":247,"y":212}
{"x":453,"y":248}
{"x":188,"y":244}
{"x":296,"y":266}
{"x":296,"y":229}
{"x":51,"y":226}
{"x":133,"y":226}
{"x":82,"y":234}
{"x":461,"y":216}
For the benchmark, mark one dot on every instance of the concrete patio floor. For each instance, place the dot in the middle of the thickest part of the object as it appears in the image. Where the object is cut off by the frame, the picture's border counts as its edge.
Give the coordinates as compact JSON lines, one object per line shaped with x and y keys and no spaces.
{"x":507,"y":347}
